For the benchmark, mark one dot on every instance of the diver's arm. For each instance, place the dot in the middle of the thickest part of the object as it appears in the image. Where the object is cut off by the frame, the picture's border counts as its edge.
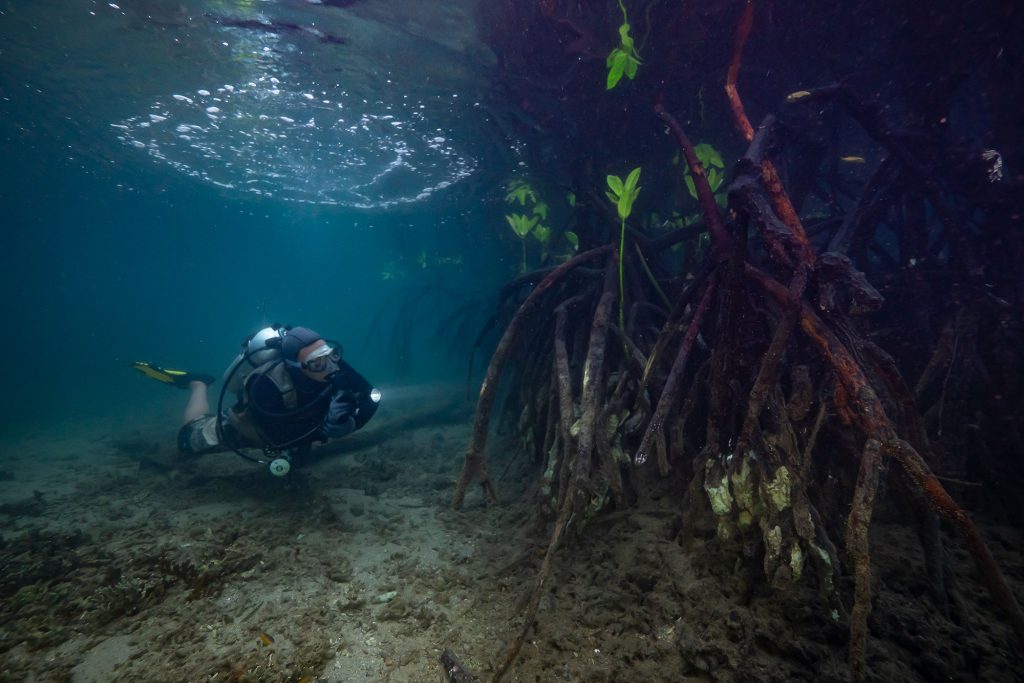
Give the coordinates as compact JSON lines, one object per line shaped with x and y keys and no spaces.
{"x":340,"y":418}
{"x":351,"y":399}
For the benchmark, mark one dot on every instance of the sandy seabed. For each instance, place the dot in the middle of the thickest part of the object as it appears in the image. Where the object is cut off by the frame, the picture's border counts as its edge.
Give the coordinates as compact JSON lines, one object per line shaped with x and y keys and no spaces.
{"x":121,"y":560}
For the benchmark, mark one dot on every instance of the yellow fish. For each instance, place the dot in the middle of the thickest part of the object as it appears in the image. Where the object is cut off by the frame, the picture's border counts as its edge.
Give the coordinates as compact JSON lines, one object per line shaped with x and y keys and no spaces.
{"x":797,"y":96}
{"x":853,"y":159}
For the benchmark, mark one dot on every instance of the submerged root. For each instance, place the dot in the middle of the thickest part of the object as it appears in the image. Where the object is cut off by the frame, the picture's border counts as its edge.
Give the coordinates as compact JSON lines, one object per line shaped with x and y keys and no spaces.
{"x":759,"y":335}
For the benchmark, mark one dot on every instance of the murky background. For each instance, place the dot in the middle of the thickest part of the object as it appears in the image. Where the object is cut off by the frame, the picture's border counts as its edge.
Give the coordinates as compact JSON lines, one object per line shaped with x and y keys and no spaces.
{"x":177,"y":174}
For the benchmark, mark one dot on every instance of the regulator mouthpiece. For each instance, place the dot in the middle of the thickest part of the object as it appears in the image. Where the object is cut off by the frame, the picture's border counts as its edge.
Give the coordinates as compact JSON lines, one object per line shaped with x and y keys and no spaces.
{"x":279,"y":467}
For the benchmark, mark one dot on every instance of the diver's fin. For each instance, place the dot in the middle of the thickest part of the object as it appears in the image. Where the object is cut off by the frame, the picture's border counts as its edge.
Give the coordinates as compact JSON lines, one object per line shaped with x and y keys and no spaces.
{"x":177,"y":378}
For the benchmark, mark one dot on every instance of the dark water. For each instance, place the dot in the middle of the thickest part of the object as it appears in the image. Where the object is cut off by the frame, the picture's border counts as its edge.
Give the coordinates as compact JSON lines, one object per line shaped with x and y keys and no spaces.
{"x":337,"y":161}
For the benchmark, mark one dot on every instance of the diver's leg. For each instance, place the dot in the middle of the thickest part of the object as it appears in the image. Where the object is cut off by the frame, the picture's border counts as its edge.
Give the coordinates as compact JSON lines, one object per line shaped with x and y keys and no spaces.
{"x":198,"y":405}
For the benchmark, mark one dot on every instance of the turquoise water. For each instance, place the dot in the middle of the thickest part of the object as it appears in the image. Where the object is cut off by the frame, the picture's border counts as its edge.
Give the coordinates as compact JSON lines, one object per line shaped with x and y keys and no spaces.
{"x":172,"y":180}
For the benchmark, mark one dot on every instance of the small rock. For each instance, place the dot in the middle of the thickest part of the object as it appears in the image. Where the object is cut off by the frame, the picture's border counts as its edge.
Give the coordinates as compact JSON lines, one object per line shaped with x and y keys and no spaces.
{"x":340,"y":574}
{"x":385,"y":598}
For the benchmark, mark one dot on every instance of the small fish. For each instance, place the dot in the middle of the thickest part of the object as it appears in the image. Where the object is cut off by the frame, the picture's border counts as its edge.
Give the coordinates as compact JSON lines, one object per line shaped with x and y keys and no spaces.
{"x":853,"y":159}
{"x":797,"y":96}
{"x":266,"y":639}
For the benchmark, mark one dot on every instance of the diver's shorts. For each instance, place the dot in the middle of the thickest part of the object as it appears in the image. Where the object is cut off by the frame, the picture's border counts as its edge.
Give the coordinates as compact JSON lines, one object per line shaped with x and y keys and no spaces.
{"x":199,"y":436}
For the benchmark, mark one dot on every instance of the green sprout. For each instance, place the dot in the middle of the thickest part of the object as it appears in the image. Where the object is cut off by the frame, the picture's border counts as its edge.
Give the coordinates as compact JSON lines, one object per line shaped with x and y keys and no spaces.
{"x":519,"y":191}
{"x":542,"y":234}
{"x":529,"y":222}
{"x":623,"y":60}
{"x":522,"y":225}
{"x":714,"y":169}
{"x":573,"y":239}
{"x":623,"y":194}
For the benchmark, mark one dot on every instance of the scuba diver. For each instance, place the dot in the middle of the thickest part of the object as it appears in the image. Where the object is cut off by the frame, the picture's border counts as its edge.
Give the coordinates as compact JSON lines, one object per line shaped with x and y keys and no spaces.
{"x":290,"y":387}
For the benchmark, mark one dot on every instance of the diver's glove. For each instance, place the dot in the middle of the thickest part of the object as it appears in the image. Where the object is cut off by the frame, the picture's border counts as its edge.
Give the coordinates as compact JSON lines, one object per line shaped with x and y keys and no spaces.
{"x":341,"y":413}
{"x":353,"y":388}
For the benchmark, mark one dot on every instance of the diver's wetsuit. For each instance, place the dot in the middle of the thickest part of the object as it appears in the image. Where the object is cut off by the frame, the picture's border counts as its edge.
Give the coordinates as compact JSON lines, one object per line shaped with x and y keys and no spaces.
{"x":315,"y":418}
{"x":322,"y":411}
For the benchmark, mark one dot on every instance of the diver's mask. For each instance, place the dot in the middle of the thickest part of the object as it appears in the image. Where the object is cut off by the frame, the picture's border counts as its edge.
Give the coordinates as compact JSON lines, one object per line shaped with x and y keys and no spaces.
{"x":323,"y":359}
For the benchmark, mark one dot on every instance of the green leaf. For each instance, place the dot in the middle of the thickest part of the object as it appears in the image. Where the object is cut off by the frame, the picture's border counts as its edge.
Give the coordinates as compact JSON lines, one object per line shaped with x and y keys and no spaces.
{"x":623,"y":194}
{"x":691,"y":186}
{"x":631,"y":66}
{"x":542,"y":233}
{"x":521,"y":224}
{"x":625,"y":205}
{"x":571,"y":198}
{"x":519,"y":190}
{"x":573,"y":239}
{"x":541,"y":209}
{"x":632,"y":179}
{"x":708,"y":156}
{"x":714,"y":178}
{"x":618,"y":65}
{"x":623,"y":60}
{"x":615,"y":184}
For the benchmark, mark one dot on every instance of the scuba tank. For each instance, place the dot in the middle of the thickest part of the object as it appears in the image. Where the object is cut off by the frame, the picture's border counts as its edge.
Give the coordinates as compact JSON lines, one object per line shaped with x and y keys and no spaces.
{"x":259,"y":348}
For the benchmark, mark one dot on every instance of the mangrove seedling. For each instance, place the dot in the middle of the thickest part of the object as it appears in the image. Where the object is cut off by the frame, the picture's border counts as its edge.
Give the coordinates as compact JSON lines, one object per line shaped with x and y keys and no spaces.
{"x":714,"y":168}
{"x":519,"y":191}
{"x":542,"y":234}
{"x":623,"y":194}
{"x":522,"y":225}
{"x":541,"y":209}
{"x":623,"y":60}
{"x":529,"y":222}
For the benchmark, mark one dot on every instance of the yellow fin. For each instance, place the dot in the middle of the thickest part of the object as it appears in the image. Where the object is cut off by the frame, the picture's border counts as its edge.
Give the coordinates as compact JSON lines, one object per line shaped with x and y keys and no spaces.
{"x":152,"y":372}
